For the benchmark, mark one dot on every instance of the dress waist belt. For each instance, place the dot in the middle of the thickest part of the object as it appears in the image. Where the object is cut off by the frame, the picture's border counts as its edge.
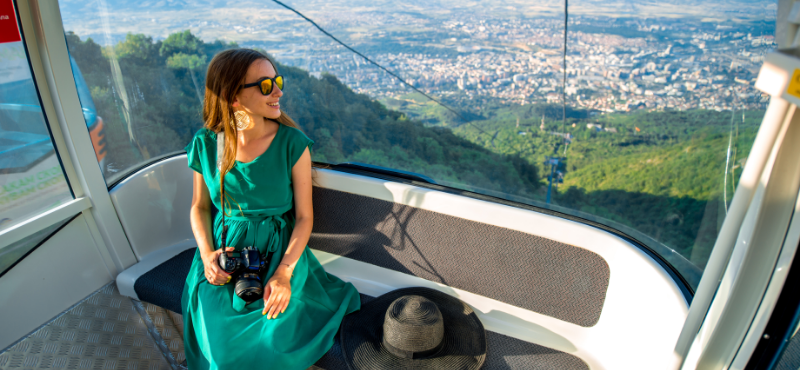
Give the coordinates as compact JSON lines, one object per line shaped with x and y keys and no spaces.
{"x":262,"y":227}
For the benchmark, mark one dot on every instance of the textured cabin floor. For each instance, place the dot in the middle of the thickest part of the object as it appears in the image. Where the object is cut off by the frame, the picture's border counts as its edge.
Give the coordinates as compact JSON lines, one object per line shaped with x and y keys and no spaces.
{"x":109,"y":331}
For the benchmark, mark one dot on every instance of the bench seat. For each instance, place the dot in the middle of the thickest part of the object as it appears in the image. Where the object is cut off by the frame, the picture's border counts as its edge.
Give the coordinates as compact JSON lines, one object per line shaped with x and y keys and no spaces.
{"x":160,"y":276}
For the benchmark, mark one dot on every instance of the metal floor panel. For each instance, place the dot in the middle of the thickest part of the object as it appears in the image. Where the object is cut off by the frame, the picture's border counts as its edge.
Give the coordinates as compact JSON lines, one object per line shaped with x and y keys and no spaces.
{"x":104,"y":331}
{"x":109,"y":331}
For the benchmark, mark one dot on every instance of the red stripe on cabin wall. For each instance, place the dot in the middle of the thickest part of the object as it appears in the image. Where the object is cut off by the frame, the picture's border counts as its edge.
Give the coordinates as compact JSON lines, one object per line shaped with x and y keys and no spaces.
{"x":9,"y":30}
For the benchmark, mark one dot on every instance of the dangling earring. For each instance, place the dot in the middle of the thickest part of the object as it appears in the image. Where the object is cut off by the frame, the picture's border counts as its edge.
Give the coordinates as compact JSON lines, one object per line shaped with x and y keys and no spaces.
{"x":243,"y":121}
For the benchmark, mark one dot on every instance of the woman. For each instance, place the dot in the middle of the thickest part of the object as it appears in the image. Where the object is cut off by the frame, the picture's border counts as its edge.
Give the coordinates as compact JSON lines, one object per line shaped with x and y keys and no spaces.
{"x":266,"y":170}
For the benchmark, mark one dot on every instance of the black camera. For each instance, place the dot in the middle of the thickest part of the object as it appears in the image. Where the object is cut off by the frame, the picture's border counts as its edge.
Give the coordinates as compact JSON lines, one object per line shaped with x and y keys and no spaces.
{"x":246,"y":268}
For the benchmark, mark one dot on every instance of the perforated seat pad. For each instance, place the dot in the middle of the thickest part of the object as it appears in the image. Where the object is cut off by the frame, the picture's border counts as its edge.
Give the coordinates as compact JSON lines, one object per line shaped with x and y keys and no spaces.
{"x":538,"y":274}
{"x":163,"y":285}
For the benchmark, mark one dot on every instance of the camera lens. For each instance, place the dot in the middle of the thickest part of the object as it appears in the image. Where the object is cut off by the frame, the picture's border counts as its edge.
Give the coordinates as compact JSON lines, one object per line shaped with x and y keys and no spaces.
{"x":248,"y":288}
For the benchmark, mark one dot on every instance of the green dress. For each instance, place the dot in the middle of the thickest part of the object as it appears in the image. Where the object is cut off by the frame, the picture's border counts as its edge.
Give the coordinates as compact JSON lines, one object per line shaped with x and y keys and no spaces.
{"x":221,"y":332}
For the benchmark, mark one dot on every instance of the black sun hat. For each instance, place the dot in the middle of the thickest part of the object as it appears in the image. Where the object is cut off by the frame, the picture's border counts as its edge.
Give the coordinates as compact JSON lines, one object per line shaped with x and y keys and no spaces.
{"x":413,"y":328}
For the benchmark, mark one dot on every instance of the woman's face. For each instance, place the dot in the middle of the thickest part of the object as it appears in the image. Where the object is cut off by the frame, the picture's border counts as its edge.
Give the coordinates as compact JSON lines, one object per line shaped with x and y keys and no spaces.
{"x":251,"y":100}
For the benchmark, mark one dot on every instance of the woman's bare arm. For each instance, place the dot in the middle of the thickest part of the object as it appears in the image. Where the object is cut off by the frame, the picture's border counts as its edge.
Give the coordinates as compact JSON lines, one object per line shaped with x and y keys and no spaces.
{"x":304,"y":212}
{"x":278,"y":290}
{"x":200,"y":216}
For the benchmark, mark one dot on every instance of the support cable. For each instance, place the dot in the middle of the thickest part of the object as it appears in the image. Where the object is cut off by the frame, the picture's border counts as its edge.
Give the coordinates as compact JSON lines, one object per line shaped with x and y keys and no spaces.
{"x":564,"y":67}
{"x":378,"y":65}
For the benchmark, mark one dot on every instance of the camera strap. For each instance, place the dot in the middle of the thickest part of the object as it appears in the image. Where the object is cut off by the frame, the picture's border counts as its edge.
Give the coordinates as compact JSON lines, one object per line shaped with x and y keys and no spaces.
{"x":220,"y":151}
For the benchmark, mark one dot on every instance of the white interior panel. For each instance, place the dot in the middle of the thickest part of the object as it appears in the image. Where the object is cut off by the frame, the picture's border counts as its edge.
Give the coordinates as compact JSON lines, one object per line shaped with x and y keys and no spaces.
{"x":644,"y":308}
{"x":58,"y":274}
{"x":153,"y":205}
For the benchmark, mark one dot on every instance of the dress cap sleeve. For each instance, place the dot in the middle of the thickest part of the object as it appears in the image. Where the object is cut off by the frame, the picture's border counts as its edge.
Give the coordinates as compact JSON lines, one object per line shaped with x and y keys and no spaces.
{"x":298,"y":142}
{"x":197,"y":152}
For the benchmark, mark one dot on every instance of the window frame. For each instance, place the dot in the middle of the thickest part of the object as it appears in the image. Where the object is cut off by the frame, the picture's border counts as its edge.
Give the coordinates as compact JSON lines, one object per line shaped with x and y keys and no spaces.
{"x":43,"y":219}
{"x":42,"y":33}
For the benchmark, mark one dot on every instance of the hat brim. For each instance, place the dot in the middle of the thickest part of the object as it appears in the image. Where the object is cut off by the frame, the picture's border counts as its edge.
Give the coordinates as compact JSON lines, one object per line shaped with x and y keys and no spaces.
{"x":464,"y":336}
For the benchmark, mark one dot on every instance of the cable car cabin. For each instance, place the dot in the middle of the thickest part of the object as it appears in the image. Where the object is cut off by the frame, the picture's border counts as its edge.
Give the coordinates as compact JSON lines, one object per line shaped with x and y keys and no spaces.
{"x":603,"y":191}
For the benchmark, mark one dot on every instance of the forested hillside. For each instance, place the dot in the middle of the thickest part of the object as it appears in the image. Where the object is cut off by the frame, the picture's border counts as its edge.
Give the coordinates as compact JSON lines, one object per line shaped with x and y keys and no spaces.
{"x":163,"y":83}
{"x":660,"y":173}
{"x":671,"y":154}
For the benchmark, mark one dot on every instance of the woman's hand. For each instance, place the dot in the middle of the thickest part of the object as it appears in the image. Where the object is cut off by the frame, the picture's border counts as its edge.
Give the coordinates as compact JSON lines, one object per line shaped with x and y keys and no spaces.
{"x":277,"y":292}
{"x":214,"y":273}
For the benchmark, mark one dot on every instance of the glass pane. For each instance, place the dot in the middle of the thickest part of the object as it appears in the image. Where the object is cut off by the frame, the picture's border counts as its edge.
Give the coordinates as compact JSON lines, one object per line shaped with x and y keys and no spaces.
{"x":137,"y":108}
{"x":94,"y":123}
{"x":666,"y":116}
{"x":13,"y":253}
{"x":30,"y":172}
{"x":648,"y":134}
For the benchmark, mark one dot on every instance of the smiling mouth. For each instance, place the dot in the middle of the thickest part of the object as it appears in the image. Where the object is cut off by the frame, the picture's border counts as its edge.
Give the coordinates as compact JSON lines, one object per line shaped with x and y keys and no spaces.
{"x":276,"y":104}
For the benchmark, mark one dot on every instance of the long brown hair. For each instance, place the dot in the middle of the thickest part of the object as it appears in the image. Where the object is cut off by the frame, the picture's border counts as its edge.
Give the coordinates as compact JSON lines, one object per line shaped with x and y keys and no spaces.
{"x":226,"y":74}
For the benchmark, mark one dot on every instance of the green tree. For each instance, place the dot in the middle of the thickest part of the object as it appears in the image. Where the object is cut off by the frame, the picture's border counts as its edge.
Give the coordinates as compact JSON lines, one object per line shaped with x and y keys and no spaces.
{"x":137,"y":48}
{"x":181,"y":42}
{"x":190,"y":62}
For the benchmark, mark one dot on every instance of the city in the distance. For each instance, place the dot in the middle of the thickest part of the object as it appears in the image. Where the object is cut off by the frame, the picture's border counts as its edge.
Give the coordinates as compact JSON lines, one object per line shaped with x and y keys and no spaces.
{"x":620,"y":56}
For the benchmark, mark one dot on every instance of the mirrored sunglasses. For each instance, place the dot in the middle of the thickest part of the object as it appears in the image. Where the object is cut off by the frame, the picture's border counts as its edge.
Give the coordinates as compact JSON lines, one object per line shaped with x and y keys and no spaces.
{"x":266,"y":84}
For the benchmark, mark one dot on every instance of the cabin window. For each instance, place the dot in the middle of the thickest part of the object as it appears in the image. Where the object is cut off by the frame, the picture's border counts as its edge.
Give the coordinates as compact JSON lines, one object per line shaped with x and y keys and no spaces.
{"x":642,"y":124}
{"x":32,"y":180}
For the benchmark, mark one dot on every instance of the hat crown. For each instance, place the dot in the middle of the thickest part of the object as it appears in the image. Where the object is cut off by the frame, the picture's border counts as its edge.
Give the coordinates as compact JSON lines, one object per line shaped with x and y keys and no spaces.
{"x":413,"y":327}
{"x":366,"y":344}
